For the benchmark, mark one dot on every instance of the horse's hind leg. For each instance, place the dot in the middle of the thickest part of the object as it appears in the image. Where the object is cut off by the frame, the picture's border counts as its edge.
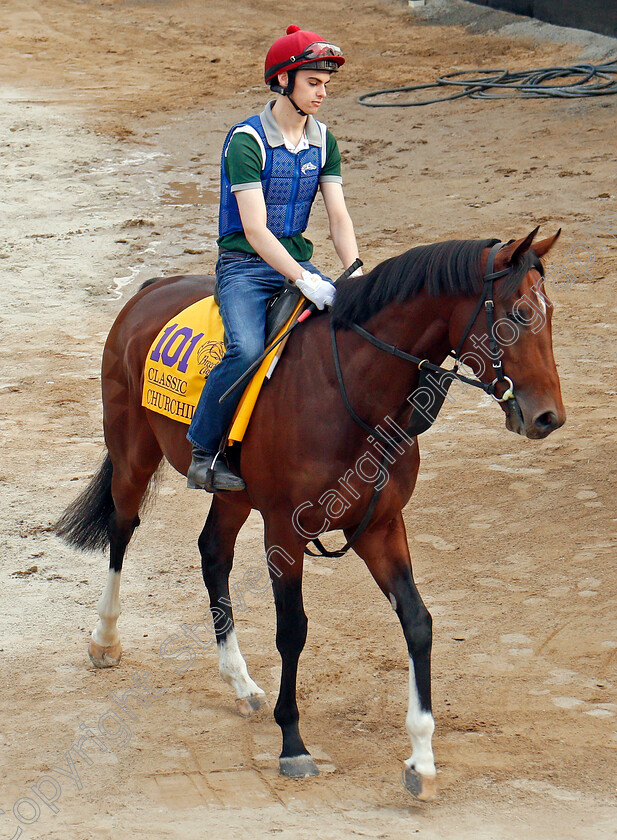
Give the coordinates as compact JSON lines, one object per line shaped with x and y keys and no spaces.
{"x":105,"y":649}
{"x":385,"y":551}
{"x":135,"y":455}
{"x":216,"y":545}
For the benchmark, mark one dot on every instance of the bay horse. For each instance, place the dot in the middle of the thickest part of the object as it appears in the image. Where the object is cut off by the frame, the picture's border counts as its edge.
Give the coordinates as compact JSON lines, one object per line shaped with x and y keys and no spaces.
{"x":308,"y":435}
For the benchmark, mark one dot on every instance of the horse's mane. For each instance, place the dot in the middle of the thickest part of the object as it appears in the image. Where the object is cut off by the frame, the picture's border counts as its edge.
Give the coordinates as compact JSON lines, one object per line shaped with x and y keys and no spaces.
{"x":444,"y":268}
{"x":147,"y":283}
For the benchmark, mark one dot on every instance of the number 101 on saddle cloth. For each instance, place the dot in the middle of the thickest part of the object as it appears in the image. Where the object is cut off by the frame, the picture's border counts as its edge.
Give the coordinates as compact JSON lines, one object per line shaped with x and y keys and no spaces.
{"x":181,"y":358}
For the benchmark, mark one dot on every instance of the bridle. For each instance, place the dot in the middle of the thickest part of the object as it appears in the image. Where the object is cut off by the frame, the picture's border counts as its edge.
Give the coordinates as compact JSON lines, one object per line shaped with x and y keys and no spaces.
{"x":487,"y":299}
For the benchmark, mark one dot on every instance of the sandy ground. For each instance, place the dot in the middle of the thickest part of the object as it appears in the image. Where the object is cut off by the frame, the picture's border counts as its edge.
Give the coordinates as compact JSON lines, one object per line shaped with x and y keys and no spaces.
{"x":113,"y":115}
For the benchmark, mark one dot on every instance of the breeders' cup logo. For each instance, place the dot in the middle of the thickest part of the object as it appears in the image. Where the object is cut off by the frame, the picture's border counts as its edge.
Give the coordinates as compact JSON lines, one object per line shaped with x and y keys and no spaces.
{"x":308,"y":167}
{"x":209,"y":355}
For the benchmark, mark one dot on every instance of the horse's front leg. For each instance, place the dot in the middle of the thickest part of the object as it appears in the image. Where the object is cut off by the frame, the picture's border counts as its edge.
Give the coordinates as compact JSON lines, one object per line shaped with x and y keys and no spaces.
{"x":216,"y":545}
{"x":385,"y":551}
{"x":285,"y":553}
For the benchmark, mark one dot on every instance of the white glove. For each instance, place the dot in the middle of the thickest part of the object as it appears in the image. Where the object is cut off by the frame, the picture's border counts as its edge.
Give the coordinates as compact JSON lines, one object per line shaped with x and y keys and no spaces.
{"x":316,"y":289}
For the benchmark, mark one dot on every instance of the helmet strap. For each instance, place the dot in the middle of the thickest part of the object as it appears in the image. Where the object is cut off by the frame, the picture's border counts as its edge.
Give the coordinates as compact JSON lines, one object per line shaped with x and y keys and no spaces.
{"x":298,"y":109}
{"x":291,"y":75}
{"x":288,"y":90}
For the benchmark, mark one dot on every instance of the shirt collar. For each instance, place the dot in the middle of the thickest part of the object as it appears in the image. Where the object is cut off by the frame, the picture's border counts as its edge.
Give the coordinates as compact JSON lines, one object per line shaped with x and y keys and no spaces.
{"x":274,"y":135}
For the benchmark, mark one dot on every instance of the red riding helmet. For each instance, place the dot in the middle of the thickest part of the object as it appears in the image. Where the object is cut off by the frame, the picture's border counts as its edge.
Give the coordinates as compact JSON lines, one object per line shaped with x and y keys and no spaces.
{"x":301,"y":50}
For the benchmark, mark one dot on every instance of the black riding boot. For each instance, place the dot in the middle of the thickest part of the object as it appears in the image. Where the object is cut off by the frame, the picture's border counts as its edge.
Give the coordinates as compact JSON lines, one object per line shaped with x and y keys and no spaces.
{"x":201,"y":476}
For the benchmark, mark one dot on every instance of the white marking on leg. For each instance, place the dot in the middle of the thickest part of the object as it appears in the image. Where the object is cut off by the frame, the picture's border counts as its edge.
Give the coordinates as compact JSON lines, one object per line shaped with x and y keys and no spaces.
{"x":420,"y":726}
{"x":106,"y":632}
{"x":232,"y":667}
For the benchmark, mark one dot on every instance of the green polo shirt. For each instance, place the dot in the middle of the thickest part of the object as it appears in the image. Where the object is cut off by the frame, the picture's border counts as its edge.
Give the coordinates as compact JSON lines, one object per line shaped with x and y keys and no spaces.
{"x":244,"y":162}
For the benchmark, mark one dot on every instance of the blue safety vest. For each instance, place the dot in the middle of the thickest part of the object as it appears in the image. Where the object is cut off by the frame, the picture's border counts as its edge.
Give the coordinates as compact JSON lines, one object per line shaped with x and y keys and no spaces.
{"x":289,"y":182}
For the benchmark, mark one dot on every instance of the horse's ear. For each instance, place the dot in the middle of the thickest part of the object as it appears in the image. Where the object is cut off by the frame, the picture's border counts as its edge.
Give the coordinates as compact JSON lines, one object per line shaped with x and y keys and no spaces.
{"x":512,"y":253}
{"x":544,"y":245}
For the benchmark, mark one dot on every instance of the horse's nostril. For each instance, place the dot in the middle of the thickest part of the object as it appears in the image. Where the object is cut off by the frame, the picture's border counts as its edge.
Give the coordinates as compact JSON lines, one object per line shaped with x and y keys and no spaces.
{"x":546,"y":421}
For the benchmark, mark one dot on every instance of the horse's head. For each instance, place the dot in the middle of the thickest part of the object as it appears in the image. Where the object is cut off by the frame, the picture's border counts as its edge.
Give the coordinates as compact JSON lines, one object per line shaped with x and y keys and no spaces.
{"x":518,"y":335}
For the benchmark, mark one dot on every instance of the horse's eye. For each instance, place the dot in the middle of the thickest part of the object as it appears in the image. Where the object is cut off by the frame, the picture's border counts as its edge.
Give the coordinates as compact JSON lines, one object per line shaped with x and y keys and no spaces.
{"x":520,"y":316}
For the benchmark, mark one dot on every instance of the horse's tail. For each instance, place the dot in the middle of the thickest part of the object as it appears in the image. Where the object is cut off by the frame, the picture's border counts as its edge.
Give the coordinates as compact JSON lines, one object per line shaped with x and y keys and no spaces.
{"x":84,"y":524}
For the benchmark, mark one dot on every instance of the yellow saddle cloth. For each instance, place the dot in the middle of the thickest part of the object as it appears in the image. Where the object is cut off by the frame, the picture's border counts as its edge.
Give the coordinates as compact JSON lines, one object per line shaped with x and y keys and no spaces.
{"x":181,"y":358}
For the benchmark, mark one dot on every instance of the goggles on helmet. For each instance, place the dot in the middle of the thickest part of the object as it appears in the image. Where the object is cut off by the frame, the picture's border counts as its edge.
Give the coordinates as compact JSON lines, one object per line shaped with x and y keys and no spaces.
{"x":317,"y":51}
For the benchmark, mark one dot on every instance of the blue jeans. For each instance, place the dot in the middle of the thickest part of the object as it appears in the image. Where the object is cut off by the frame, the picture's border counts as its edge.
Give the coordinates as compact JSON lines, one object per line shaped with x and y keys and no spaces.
{"x":245,"y":283}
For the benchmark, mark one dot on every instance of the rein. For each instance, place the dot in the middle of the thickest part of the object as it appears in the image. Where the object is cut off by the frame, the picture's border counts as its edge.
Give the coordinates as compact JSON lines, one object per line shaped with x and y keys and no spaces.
{"x":486,"y":299}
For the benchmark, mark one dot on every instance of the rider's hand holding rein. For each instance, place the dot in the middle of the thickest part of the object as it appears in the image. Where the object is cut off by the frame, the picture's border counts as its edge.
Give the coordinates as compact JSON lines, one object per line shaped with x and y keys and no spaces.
{"x":316,"y":289}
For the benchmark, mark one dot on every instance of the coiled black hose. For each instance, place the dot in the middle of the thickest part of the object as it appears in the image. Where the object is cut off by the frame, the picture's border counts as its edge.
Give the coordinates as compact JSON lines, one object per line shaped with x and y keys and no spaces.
{"x":589,"y":80}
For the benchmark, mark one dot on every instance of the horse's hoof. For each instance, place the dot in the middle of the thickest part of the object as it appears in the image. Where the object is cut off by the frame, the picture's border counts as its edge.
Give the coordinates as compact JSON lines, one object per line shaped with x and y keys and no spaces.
{"x":298,"y":767}
{"x":248,"y":706}
{"x":423,"y":788}
{"x":105,"y":657}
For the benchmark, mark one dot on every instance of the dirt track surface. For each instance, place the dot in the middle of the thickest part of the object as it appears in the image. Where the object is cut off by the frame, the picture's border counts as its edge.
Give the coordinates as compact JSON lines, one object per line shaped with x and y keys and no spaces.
{"x":114,"y":113}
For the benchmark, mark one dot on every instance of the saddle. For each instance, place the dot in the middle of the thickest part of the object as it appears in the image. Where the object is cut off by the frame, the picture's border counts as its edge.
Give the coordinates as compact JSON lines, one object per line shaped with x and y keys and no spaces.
{"x":278,"y":309}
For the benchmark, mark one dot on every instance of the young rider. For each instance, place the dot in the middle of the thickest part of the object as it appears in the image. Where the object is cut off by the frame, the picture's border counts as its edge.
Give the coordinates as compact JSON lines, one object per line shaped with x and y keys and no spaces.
{"x":271,"y":168}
